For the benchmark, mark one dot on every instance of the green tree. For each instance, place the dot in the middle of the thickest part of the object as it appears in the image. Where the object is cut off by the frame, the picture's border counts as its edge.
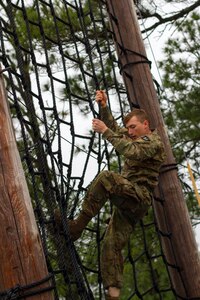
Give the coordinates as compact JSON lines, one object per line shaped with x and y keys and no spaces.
{"x":164,"y":12}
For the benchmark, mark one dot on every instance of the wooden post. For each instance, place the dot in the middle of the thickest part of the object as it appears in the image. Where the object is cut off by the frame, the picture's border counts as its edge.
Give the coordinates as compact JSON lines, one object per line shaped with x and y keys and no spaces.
{"x":180,"y":248}
{"x":22,"y":260}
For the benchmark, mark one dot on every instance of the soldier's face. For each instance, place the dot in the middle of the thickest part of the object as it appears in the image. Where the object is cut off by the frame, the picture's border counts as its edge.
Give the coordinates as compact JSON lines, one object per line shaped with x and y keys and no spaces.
{"x":137,"y":128}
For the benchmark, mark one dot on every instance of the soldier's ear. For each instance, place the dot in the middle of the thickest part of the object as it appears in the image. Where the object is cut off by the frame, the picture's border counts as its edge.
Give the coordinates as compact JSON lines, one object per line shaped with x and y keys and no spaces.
{"x":146,"y":123}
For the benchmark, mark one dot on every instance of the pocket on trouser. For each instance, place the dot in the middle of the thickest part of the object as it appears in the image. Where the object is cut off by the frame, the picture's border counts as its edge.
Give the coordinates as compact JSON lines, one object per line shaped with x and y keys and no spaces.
{"x":137,"y":204}
{"x":143,"y":194}
{"x":126,"y":199}
{"x":125,"y":195}
{"x":135,"y":214}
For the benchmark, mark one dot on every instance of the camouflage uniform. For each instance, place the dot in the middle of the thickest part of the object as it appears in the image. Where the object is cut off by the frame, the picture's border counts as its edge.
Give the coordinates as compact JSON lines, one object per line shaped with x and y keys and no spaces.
{"x":130,"y":192}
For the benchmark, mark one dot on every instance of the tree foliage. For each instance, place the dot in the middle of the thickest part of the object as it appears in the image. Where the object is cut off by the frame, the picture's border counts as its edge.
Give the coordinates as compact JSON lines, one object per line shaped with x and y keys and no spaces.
{"x":164,"y":12}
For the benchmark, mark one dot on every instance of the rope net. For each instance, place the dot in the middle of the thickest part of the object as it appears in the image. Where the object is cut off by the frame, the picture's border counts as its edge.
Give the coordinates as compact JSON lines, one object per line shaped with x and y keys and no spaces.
{"x":55,"y":54}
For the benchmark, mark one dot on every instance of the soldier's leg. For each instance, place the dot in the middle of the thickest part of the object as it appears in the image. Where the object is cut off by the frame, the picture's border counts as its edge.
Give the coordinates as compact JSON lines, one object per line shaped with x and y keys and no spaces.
{"x":122,"y":223}
{"x":106,"y":185}
{"x":116,"y":237}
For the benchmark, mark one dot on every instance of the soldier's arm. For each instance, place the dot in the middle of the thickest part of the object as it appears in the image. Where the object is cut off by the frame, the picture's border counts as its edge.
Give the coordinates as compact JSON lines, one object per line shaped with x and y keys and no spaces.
{"x":140,"y":149}
{"x":106,"y":115}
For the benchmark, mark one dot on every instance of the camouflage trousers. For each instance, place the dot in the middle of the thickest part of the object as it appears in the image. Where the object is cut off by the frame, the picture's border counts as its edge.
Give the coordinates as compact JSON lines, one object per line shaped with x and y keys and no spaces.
{"x":131,"y":203}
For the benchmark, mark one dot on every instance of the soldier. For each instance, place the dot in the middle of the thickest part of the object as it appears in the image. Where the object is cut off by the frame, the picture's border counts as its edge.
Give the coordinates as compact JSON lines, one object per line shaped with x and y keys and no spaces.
{"x":130,"y":192}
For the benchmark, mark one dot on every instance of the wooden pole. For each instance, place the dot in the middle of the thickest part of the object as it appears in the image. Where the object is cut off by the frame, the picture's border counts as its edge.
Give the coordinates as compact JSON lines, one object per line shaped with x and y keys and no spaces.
{"x":180,"y":247}
{"x":22,"y":260}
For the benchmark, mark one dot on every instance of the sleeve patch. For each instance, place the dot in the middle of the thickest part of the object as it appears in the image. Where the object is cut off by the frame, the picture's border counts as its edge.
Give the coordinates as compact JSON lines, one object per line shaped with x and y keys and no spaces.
{"x":145,"y":138}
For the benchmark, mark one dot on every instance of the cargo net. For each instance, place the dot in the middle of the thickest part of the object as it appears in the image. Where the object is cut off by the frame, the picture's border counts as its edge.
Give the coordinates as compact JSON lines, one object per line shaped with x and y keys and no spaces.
{"x":55,"y":55}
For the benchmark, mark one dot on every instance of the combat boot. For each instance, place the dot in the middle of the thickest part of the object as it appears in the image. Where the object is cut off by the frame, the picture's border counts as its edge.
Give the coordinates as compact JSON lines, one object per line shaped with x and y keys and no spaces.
{"x":77,"y":226}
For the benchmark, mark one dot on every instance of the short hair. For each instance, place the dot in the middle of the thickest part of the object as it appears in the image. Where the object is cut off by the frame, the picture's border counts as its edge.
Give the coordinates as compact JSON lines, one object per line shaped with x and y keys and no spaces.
{"x":139,"y":113}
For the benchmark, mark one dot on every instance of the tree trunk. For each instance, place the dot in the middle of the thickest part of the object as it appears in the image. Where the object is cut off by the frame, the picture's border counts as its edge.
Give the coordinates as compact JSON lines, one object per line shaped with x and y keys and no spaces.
{"x":179,"y":244}
{"x":22,"y":260}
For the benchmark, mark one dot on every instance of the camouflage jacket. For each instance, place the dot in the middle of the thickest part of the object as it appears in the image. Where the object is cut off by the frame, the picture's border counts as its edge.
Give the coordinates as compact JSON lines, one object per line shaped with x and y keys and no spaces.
{"x":143,"y":156}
